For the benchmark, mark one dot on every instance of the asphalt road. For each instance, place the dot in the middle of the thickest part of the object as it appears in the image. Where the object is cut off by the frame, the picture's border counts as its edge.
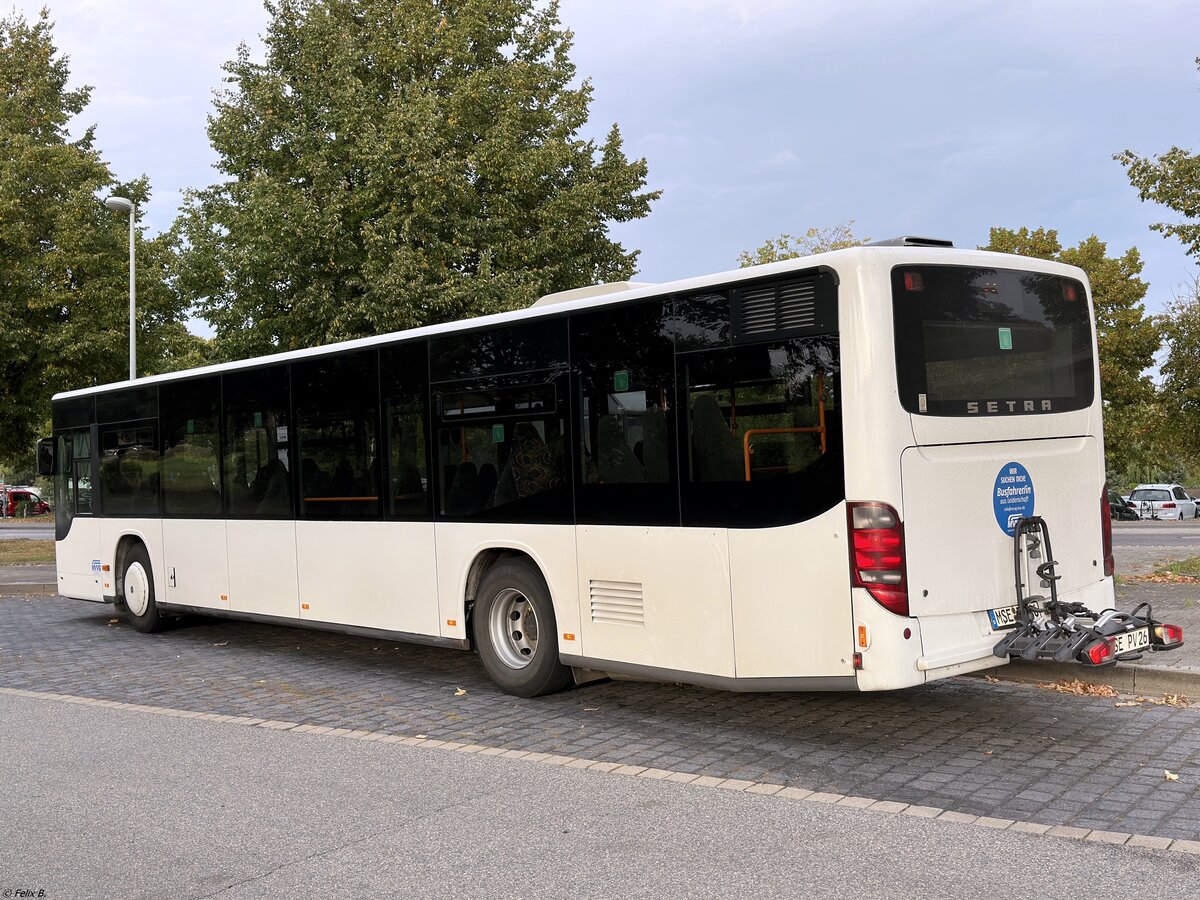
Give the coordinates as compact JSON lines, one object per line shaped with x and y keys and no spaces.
{"x":1002,"y":750}
{"x":115,"y":803}
{"x":32,"y":531}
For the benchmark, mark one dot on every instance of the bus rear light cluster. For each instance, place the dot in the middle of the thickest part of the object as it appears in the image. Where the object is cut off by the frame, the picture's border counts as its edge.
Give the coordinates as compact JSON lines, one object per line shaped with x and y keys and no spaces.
{"x":1110,"y":565}
{"x":877,"y":554}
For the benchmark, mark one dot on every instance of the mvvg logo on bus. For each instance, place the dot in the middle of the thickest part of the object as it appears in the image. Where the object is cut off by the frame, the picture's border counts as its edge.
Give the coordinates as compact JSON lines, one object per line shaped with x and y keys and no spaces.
{"x":1012,"y":496}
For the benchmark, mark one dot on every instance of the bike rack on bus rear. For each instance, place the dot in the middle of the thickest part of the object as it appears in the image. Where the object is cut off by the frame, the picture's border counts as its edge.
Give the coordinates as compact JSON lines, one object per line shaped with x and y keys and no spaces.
{"x":1049,"y":629}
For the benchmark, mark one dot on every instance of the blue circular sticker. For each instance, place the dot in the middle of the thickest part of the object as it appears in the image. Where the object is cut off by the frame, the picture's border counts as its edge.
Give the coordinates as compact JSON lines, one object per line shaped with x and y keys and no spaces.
{"x":1012,"y":497}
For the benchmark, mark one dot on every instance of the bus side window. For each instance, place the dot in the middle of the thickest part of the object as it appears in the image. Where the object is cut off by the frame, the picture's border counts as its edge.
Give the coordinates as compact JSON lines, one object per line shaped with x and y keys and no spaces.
{"x":762,"y":442}
{"x":129,"y":469}
{"x":337,"y":442}
{"x":625,"y":402}
{"x":404,"y":381}
{"x":258,"y":479}
{"x":502,"y":439}
{"x":191,"y":453}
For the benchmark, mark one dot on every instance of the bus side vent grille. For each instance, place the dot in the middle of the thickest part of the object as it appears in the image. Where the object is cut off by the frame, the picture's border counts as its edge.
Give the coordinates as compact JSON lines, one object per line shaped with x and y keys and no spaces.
{"x":616,"y":602}
{"x":782,"y":306}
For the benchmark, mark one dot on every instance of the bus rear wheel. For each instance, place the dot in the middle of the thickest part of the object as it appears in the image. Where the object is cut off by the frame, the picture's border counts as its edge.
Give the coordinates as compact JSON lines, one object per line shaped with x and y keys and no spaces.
{"x":137,"y":591}
{"x":516,"y":633}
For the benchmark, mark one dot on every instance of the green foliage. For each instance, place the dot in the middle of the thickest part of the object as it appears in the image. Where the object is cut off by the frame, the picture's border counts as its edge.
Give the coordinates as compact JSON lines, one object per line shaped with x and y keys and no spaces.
{"x":1181,"y":368}
{"x":1173,"y":180}
{"x":395,"y":163}
{"x":815,"y":240}
{"x":64,"y":257}
{"x":1128,"y":339}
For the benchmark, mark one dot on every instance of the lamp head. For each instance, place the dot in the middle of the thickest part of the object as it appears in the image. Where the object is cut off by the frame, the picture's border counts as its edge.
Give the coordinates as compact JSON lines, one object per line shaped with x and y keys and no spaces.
{"x":119,"y":204}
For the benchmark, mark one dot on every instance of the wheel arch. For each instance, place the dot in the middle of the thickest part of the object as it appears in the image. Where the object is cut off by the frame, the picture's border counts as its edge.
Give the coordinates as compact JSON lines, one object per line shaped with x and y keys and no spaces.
{"x":484,"y":560}
{"x":126,"y":541}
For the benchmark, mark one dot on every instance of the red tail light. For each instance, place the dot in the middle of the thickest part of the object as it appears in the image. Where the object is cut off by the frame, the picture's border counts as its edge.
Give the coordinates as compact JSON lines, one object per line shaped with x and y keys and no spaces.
{"x":1168,"y":635}
{"x":877,"y":554}
{"x":1097,"y":652}
{"x":1168,"y":505}
{"x":1110,"y":565}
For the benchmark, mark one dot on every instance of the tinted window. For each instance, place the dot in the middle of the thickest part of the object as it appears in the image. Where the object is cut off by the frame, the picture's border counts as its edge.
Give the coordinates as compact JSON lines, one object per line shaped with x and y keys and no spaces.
{"x":258,"y":478}
{"x":527,"y":347}
{"x":337,"y":419}
{"x":625,"y":404}
{"x":74,"y":413}
{"x":763,"y":442}
{"x":974,"y":341}
{"x":404,"y":380}
{"x":129,"y":481}
{"x":127,"y":404}
{"x":701,"y":320}
{"x":503,"y":434}
{"x":191,"y":470}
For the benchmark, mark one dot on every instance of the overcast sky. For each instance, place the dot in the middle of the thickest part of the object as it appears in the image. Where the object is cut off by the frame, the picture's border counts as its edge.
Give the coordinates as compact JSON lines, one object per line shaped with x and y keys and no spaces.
{"x":930,"y":117}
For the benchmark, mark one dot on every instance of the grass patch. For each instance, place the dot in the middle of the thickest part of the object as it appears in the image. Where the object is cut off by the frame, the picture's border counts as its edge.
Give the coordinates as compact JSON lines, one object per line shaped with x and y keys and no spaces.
{"x":1189,"y":567}
{"x":26,"y":553}
{"x":21,"y":521}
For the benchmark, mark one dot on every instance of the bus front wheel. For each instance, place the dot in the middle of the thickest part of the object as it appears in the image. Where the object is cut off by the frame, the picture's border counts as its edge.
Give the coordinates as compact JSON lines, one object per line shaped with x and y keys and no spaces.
{"x":137,"y":591}
{"x":516,"y":633}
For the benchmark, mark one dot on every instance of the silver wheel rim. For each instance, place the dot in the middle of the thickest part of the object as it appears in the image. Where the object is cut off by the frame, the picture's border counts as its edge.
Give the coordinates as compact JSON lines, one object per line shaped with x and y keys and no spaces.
{"x":137,"y":589}
{"x":513,"y":628}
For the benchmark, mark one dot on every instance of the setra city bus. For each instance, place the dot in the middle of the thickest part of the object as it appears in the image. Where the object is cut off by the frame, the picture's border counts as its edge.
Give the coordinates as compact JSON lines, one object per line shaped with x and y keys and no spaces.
{"x":839,"y":472}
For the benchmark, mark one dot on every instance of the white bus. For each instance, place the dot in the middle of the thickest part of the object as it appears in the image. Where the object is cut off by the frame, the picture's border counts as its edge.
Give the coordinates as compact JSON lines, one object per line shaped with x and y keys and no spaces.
{"x":821,"y":474}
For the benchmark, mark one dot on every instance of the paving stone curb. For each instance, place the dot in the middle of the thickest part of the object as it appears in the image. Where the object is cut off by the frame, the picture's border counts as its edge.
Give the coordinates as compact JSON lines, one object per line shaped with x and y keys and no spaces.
{"x":887,"y":807}
{"x":1124,"y":677}
{"x":41,"y":590}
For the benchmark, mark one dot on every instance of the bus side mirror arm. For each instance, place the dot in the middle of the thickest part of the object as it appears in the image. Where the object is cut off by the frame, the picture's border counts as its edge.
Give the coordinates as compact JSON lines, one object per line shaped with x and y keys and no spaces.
{"x":45,"y":456}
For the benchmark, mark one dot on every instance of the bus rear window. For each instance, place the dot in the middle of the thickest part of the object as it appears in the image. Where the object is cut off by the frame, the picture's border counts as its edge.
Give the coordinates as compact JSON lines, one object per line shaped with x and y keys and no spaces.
{"x":990,"y":342}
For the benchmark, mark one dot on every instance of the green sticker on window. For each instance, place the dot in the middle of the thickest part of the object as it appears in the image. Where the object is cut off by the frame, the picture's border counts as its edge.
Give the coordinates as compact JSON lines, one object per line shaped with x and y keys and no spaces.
{"x":191,"y":426}
{"x":1005,"y":338}
{"x":258,"y":420}
{"x":497,"y":434}
{"x":621,"y":380}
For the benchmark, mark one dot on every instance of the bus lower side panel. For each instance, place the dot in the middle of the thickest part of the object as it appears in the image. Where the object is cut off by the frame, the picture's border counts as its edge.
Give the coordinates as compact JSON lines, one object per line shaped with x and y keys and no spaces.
{"x":719,"y":682}
{"x":356,"y":630}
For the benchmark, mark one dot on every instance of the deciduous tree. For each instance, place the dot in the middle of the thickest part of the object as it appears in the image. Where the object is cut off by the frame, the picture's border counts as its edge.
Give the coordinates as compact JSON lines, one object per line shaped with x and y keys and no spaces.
{"x":63,"y":256}
{"x":815,"y":240}
{"x":1128,"y":339}
{"x":1172,"y":179}
{"x":393,"y":163}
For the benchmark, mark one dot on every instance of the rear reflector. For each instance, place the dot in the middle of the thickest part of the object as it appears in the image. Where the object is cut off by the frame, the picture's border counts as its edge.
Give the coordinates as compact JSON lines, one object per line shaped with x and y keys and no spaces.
{"x":877,"y":554}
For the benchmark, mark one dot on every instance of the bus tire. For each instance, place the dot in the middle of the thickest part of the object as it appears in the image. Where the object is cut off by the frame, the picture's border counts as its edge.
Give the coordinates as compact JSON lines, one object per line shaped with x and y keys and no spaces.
{"x":137,"y":591}
{"x":516,"y":633}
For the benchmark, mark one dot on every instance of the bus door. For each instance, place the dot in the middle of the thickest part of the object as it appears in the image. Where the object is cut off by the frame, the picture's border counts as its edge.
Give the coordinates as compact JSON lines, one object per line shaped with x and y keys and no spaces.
{"x":76,"y":531}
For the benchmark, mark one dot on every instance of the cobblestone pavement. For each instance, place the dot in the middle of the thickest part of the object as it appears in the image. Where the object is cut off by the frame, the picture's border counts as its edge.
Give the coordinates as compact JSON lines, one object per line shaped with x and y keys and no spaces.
{"x":1004,"y":750}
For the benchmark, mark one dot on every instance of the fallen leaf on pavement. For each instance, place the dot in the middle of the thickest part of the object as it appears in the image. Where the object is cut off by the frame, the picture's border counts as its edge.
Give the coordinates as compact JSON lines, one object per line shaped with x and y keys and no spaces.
{"x":1080,"y":688}
{"x":459,"y":692}
{"x":1171,"y":776}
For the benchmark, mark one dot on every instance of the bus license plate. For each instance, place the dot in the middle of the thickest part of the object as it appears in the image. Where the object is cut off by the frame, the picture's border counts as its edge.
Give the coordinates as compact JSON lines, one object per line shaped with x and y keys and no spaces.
{"x":1128,"y":641}
{"x":1004,"y":617}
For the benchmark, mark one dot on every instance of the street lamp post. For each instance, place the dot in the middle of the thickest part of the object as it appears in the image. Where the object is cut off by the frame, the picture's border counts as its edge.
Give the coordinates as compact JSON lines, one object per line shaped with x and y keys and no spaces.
{"x":120,"y":204}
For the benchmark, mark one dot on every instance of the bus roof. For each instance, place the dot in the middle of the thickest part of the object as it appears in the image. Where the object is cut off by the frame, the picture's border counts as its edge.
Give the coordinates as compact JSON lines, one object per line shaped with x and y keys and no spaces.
{"x":882,"y":253}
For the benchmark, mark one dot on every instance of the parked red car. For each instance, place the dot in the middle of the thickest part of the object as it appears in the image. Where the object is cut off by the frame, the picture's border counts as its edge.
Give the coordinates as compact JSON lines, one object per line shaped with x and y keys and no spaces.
{"x":15,"y":499}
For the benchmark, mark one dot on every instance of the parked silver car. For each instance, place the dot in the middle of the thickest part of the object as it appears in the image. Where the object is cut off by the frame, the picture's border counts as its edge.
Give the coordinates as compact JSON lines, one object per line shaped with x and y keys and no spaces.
{"x":1164,"y":501}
